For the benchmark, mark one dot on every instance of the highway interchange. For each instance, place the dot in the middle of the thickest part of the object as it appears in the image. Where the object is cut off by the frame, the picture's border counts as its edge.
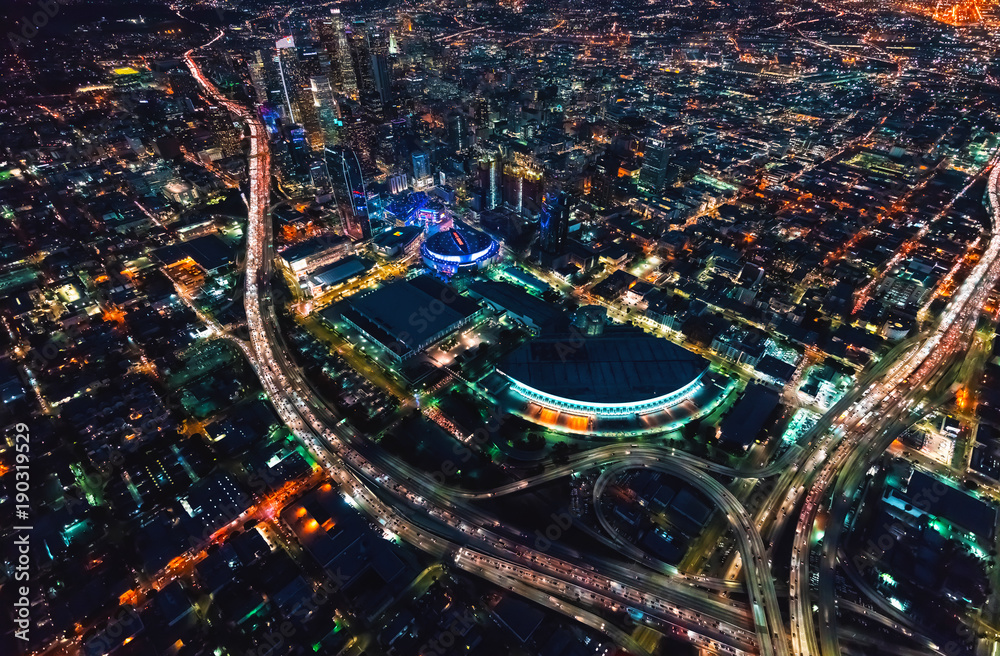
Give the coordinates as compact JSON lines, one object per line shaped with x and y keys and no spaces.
{"x":441,"y":521}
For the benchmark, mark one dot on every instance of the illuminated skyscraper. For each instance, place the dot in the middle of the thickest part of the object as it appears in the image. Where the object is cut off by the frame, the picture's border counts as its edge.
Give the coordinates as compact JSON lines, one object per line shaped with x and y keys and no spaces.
{"x":458,"y":132}
{"x":655,"y":158}
{"x":370,"y":57}
{"x":491,"y":181}
{"x":327,"y":111}
{"x":319,"y":173}
{"x":378,"y":46}
{"x":337,"y":46}
{"x":259,"y":76}
{"x":288,"y":72}
{"x":297,"y":88}
{"x":421,"y":166}
{"x":554,"y":225}
{"x":349,"y":190}
{"x":294,"y":156}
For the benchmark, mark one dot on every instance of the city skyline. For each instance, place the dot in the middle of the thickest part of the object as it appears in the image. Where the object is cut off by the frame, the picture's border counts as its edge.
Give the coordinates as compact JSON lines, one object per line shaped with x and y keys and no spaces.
{"x":511,"y":327}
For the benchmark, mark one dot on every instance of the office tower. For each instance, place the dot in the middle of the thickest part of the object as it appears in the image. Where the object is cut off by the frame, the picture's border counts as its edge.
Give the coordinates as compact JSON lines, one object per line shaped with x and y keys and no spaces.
{"x":349,"y":191}
{"x":655,"y":158}
{"x":266,"y":65}
{"x":458,"y":132}
{"x":369,"y":48}
{"x":288,"y":71}
{"x":294,"y":65}
{"x":490,"y":180}
{"x":392,"y":147}
{"x":361,"y":60}
{"x":378,"y":46}
{"x":258,"y":76}
{"x":327,"y":111}
{"x":332,"y":37}
{"x":421,"y":165}
{"x":361,"y":132}
{"x":319,"y":173}
{"x":554,"y":224}
{"x":293,"y":156}
{"x":310,"y":66}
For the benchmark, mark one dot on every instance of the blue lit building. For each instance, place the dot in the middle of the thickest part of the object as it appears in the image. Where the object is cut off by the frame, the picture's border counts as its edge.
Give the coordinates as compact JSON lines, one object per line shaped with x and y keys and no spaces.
{"x":622,"y":382}
{"x":349,"y":191}
{"x":461,"y":247}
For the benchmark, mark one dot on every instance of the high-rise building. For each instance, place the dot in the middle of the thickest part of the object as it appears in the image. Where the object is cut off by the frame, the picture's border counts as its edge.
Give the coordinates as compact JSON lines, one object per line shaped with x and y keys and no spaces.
{"x":349,"y":79}
{"x":522,"y":190}
{"x":319,"y":173}
{"x":327,"y":110}
{"x":311,"y":64}
{"x":288,"y":72}
{"x":349,"y":190}
{"x":293,"y":156}
{"x":491,"y":181}
{"x":369,"y":50}
{"x":357,"y":40}
{"x":554,"y":223}
{"x":393,"y":140}
{"x":655,"y":158}
{"x":332,"y":37}
{"x":295,"y":68}
{"x":378,"y":47}
{"x":458,"y":132}
{"x":421,"y":166}
{"x":325,"y":33}
{"x":259,"y":77}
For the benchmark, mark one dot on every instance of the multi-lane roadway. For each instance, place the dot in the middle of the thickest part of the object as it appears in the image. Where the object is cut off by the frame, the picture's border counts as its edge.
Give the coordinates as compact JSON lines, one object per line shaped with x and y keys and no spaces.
{"x":448,"y":525}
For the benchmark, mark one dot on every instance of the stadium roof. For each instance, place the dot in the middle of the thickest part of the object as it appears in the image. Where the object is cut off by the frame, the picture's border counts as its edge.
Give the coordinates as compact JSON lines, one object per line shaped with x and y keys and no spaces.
{"x":460,"y":241}
{"x":620,"y":366}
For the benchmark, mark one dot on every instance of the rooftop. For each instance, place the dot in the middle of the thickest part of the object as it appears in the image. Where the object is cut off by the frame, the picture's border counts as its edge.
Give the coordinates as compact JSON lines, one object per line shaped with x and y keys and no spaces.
{"x":460,"y":241}
{"x":405,"y":314}
{"x":621,"y":366}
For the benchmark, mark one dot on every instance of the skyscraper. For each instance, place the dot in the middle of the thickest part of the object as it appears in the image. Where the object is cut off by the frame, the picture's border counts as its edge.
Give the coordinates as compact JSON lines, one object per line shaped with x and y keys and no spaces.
{"x":458,"y":132}
{"x":261,"y":77}
{"x":296,"y":159}
{"x":327,"y":111}
{"x":490,"y":180}
{"x":288,"y":72}
{"x":421,"y":165}
{"x":554,"y":225}
{"x":369,"y":48}
{"x":348,"y":184}
{"x":653,"y":175}
{"x":378,"y":47}
{"x":349,"y":79}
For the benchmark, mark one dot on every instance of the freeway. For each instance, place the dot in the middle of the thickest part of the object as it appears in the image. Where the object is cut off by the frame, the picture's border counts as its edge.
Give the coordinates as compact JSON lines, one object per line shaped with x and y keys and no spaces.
{"x":709,"y":626}
{"x":447,"y":525}
{"x":760,"y":583}
{"x":868,"y":427}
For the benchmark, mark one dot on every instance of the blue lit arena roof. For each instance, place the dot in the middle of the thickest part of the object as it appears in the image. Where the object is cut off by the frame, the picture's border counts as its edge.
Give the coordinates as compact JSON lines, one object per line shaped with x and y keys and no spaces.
{"x":460,"y":246}
{"x":619,"y":367}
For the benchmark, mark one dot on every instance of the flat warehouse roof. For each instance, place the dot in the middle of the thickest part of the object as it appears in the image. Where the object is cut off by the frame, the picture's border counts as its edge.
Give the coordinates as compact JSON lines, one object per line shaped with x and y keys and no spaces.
{"x":404,"y":314}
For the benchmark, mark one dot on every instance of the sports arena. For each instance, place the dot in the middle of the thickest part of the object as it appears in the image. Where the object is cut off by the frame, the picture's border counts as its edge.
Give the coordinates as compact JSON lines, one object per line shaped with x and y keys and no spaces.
{"x":461,"y":247}
{"x":622,"y":382}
